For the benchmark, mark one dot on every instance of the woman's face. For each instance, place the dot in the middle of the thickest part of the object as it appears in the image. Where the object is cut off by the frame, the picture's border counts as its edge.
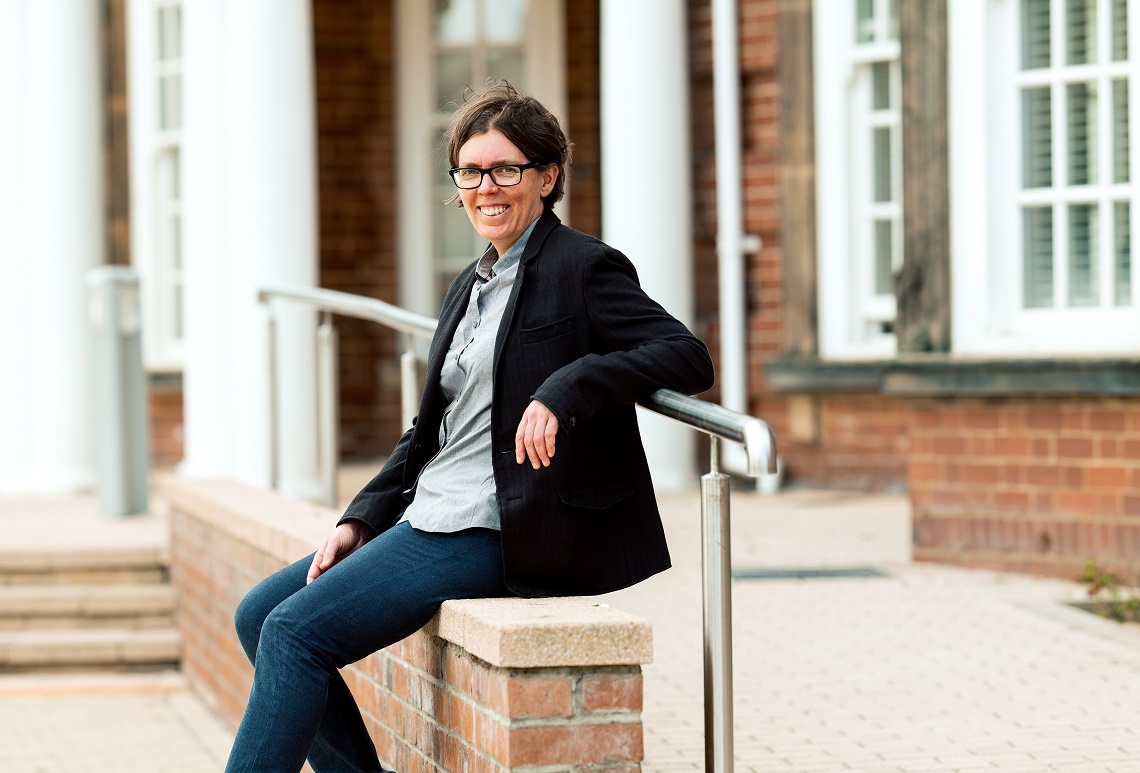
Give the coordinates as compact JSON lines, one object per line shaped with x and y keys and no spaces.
{"x":501,"y":214}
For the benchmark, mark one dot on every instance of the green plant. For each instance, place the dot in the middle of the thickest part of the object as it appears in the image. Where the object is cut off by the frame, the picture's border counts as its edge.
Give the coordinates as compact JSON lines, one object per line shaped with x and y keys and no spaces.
{"x":1110,"y":596}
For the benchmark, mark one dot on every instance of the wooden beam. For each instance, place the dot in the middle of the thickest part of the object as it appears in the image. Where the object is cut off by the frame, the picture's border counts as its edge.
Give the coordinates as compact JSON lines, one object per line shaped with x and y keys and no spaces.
{"x":923,"y":286}
{"x":797,"y":177}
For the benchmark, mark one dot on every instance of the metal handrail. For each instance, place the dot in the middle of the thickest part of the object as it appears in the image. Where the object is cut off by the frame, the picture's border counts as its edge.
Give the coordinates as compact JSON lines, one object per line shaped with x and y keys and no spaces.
{"x":714,"y":420}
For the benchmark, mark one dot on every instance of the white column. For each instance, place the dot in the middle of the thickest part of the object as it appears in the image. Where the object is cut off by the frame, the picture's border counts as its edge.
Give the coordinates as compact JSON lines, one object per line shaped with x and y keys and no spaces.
{"x":250,"y":206}
{"x":273,"y":232}
{"x":209,"y":406}
{"x":51,"y":191}
{"x":645,"y":125}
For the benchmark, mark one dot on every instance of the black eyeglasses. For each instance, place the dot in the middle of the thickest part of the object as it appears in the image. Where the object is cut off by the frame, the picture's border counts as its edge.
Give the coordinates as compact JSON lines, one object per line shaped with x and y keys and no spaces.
{"x":472,"y":177}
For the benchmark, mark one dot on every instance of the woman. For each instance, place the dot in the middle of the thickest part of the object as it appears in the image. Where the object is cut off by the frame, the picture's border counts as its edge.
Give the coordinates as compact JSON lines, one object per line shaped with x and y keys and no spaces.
{"x":523,"y":473}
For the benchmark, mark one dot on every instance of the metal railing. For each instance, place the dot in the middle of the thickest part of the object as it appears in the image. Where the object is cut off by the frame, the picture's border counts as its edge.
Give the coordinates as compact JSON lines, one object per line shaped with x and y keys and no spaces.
{"x":717,"y":422}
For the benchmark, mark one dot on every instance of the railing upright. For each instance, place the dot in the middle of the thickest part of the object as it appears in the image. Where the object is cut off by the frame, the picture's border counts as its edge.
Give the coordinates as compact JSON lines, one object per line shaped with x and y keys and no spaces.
{"x":714,"y":420}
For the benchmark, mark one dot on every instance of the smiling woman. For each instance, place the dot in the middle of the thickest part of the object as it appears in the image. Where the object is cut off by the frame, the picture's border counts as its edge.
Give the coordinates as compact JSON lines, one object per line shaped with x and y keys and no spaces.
{"x":544,"y":345}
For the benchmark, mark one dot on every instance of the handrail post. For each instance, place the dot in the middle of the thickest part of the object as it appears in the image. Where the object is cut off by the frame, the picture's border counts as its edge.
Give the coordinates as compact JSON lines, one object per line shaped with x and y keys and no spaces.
{"x":271,"y":388}
{"x":409,"y":386}
{"x":327,"y":406}
{"x":716,"y":567}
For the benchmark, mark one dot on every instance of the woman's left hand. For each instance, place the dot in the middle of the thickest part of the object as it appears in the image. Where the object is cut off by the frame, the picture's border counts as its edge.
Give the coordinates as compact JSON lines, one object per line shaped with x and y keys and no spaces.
{"x":536,"y":434}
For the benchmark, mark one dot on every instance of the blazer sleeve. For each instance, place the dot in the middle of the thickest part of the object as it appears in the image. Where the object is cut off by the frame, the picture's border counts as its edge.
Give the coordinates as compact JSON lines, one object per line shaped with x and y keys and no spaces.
{"x":639,"y":348}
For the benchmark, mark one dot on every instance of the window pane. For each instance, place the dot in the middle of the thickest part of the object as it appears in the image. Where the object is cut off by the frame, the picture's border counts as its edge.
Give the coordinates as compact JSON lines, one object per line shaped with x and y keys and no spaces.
{"x":893,"y":33}
{"x":169,"y":33}
{"x":1037,"y":133}
{"x":507,"y":64}
{"x":1082,"y":133}
{"x":176,"y":241}
{"x":504,"y":21}
{"x":177,"y":313}
{"x":1035,"y":49}
{"x":1119,"y":30}
{"x":1038,"y":252}
{"x":453,"y":74}
{"x":170,"y":102}
{"x":1123,"y":253}
{"x":1084,"y":287}
{"x":1080,"y":31}
{"x":880,"y":86}
{"x":1120,"y":146}
{"x":455,"y":21}
{"x":456,"y":237}
{"x":884,"y":247}
{"x":864,"y":21}
{"x":882,"y":162}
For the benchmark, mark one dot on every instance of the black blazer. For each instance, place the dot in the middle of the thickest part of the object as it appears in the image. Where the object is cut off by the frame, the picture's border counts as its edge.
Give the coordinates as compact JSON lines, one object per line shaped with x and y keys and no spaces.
{"x":580,"y":335}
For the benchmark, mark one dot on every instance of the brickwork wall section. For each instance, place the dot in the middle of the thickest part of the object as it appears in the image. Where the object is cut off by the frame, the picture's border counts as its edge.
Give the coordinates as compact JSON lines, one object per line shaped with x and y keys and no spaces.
{"x":430,"y":705}
{"x":1027,"y":485}
{"x":355,"y":104}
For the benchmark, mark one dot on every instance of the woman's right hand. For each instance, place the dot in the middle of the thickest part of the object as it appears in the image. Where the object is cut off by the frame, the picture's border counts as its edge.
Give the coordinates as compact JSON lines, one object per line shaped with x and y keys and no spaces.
{"x":346,"y":538}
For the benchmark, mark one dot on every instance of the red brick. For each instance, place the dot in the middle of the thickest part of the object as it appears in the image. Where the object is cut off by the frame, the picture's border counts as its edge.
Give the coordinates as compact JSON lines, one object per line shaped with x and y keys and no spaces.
{"x":576,"y":744}
{"x":1044,"y":419}
{"x":1076,"y":502}
{"x":1107,"y":477}
{"x":1016,"y":501}
{"x":1103,"y":420}
{"x":1075,"y":447}
{"x":612,"y":692}
{"x":1012,"y":446}
{"x":537,"y":697}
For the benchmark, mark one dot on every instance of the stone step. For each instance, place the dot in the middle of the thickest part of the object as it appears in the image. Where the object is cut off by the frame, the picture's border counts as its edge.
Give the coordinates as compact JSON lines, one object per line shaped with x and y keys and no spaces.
{"x":92,"y":649}
{"x":54,"y":607}
{"x":83,"y":566}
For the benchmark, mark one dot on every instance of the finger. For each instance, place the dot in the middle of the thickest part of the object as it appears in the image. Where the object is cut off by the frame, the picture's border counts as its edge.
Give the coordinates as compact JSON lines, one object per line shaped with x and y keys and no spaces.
{"x":539,"y":437}
{"x":520,"y":450}
{"x":315,"y":567}
{"x":531,"y":451}
{"x":551,"y":435}
{"x":332,"y":548}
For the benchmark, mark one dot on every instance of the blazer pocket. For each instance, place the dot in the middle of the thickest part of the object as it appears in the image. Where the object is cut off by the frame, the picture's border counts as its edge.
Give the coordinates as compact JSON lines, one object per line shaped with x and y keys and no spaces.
{"x":599,"y":497}
{"x":534,"y":335}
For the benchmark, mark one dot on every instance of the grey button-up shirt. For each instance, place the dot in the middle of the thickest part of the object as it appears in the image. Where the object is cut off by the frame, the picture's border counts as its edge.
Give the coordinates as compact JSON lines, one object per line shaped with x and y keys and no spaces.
{"x":456,"y":490}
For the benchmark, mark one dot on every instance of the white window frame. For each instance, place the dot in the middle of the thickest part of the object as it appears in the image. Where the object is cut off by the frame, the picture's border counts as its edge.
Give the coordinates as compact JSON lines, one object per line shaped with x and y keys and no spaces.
{"x":986,"y":196}
{"x":849,"y":307}
{"x":418,"y":118}
{"x":151,"y":214}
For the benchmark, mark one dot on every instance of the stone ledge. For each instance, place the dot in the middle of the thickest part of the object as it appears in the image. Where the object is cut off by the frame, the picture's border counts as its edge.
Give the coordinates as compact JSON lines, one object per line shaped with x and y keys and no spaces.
{"x":508,"y":633}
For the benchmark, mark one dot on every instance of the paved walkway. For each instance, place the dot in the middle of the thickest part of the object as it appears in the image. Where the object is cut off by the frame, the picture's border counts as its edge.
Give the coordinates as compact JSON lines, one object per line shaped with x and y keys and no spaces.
{"x":929,"y":668}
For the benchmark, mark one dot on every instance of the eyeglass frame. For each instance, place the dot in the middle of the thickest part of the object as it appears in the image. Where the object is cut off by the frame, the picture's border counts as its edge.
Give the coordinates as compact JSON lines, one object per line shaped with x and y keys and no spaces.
{"x":484,"y":172}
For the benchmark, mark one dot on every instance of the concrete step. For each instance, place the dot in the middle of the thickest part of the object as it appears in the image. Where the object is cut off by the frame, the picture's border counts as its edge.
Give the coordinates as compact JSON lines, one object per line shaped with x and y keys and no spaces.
{"x":92,"y":649}
{"x":54,"y":607}
{"x":83,"y":566}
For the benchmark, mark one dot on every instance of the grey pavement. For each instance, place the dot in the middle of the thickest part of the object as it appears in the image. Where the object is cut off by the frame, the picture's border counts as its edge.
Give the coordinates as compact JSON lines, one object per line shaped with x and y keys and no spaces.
{"x":927,"y":668}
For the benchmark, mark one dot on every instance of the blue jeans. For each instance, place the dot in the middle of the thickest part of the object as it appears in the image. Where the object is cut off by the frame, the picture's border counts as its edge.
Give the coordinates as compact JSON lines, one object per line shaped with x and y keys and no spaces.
{"x":298,"y":635}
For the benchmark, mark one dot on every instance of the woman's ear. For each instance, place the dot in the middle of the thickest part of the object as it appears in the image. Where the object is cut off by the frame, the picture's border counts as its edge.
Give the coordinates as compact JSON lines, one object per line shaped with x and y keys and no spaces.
{"x":549,"y":177}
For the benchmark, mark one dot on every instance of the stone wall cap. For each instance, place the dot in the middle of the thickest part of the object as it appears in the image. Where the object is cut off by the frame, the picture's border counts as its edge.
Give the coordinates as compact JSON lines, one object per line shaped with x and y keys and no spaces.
{"x":550,"y":632}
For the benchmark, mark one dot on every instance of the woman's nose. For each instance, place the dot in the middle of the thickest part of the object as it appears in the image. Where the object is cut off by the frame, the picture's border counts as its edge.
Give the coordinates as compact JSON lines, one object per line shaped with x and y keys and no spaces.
{"x":487,"y":184}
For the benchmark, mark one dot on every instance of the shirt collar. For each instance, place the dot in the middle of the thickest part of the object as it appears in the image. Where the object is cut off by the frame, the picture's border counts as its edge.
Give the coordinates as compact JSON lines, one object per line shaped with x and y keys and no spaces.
{"x":491,"y":264}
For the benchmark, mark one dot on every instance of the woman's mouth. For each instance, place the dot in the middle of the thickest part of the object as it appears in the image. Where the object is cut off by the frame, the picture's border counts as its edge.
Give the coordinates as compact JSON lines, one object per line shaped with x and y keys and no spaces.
{"x":493,"y":211}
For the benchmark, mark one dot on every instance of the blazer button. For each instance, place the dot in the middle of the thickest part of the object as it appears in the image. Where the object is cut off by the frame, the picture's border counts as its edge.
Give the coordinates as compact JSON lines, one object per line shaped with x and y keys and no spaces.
{"x":419,"y":446}
{"x":571,"y":421}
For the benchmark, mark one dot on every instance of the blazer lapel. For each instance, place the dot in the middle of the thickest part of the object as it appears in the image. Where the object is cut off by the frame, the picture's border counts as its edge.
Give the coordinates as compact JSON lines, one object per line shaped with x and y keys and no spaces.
{"x":546,"y":223}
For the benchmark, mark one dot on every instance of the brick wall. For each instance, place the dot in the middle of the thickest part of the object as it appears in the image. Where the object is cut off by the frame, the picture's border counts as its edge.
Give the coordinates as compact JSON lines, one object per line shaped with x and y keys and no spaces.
{"x":353,"y":58}
{"x":165,"y":417}
{"x":583,"y":119}
{"x":429,"y":703}
{"x":1027,"y":485}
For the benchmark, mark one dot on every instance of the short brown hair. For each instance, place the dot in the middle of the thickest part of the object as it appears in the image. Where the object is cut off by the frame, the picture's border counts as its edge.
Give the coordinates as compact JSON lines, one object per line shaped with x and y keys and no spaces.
{"x":521,"y":119}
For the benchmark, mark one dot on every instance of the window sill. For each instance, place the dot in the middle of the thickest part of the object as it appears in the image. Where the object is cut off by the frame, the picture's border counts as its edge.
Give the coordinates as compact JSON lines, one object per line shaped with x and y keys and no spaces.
{"x":949,"y":377}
